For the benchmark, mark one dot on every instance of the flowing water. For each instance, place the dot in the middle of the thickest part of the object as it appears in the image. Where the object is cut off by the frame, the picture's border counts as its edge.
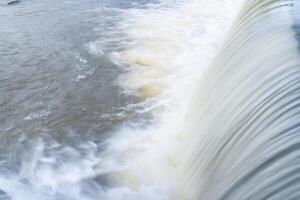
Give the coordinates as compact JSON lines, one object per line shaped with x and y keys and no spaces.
{"x":129,"y":100}
{"x":244,"y":136}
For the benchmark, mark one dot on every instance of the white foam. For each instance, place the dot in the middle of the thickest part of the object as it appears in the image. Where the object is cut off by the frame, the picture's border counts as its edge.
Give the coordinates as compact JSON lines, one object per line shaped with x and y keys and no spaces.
{"x":166,"y":48}
{"x":171,"y":46}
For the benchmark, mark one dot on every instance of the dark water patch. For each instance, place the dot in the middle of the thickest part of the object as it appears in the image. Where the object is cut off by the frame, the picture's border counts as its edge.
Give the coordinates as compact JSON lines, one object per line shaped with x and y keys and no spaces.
{"x":296,"y":21}
{"x":4,"y":196}
{"x":13,"y":3}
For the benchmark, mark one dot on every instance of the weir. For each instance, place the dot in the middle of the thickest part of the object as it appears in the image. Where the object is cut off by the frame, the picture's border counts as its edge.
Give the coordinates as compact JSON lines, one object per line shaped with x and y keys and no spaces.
{"x":244,"y":122}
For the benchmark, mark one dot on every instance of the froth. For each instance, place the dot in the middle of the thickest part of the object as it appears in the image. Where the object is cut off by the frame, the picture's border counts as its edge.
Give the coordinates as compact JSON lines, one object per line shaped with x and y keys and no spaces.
{"x":164,"y":49}
{"x":171,"y":45}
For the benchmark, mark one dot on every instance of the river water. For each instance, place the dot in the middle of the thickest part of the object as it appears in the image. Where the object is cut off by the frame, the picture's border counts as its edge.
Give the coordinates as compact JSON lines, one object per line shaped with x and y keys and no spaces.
{"x":93,"y":93}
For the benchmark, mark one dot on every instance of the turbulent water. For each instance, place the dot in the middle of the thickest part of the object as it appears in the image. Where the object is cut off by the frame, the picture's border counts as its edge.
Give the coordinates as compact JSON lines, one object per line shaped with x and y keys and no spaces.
{"x":143,"y":99}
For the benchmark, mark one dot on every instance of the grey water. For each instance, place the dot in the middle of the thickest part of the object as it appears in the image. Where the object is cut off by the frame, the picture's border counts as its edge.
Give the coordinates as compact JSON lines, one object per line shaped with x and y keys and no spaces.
{"x":55,"y":93}
{"x":42,"y":53}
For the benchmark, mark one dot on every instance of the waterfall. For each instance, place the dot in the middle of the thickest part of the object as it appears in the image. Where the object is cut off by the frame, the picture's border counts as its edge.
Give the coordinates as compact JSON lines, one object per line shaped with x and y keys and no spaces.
{"x":243,"y":126}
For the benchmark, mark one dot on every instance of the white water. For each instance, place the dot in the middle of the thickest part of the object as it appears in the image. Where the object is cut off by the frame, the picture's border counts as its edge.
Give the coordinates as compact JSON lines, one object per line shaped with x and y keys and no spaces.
{"x":170,"y":46}
{"x":165,"y":49}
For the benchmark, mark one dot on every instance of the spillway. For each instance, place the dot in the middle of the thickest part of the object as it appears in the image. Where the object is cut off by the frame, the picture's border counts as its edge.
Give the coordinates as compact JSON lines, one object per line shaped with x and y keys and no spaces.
{"x":243,"y":126}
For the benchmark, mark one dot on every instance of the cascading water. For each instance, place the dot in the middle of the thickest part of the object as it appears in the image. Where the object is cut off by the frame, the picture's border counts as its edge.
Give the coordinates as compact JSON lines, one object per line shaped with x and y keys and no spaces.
{"x":93,"y":94}
{"x":108,"y":99}
{"x":243,"y":125}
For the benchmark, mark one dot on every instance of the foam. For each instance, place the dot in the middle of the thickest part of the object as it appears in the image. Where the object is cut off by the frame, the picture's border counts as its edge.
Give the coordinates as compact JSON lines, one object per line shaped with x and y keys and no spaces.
{"x":164,"y":48}
{"x":172,"y":44}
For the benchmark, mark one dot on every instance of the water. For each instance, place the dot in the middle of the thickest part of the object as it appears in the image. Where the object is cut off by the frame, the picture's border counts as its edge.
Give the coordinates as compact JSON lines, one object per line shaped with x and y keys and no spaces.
{"x":94,"y":94}
{"x":58,"y":101}
{"x":244,"y":137}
